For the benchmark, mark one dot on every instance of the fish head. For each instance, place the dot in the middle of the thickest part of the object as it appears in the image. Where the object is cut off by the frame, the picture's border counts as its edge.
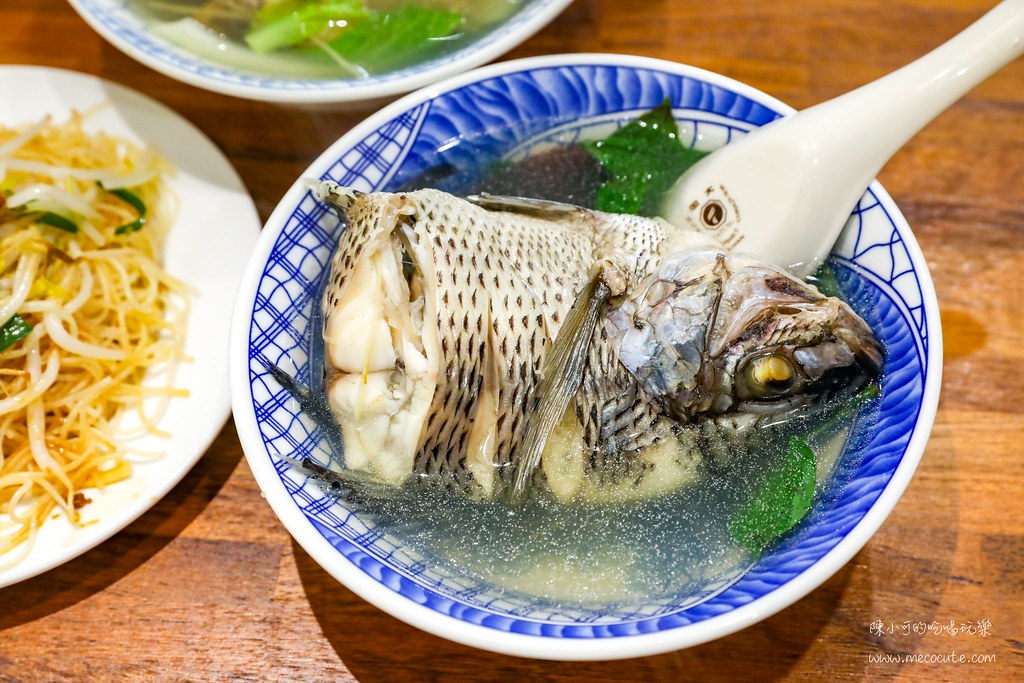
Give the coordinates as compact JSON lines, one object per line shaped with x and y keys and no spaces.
{"x":710,"y":333}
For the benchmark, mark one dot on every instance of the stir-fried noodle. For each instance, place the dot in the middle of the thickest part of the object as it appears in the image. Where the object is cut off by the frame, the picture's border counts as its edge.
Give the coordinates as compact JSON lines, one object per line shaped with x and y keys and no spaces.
{"x":86,"y":311}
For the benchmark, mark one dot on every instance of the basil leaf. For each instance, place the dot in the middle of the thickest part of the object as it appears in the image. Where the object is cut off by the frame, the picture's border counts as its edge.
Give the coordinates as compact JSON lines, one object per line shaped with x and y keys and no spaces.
{"x":843,"y":412}
{"x":12,"y":331}
{"x":644,"y":158}
{"x":782,"y":500}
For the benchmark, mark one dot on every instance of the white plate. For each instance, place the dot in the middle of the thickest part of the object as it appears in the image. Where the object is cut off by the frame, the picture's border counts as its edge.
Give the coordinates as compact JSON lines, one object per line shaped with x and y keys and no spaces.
{"x":208,"y":247}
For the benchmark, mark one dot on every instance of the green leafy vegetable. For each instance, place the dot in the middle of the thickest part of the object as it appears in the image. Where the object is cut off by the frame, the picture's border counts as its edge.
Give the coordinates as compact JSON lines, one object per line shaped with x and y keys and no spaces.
{"x":13,"y":331}
{"x":786,"y":494}
{"x":780,"y":501}
{"x":644,"y":158}
{"x":285,"y":24}
{"x":55,"y":220}
{"x":387,"y":40}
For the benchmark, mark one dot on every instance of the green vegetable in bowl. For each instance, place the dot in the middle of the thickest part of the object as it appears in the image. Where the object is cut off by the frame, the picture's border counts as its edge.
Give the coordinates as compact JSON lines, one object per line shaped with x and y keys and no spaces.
{"x":785,"y":496}
{"x":780,"y":502}
{"x":345,"y":37}
{"x":636,"y":185}
{"x":284,"y":24}
{"x":386,"y":40}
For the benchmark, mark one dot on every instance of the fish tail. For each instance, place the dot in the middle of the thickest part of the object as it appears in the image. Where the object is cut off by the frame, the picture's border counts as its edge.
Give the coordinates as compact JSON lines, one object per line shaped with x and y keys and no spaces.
{"x":314,"y":405}
{"x":357,"y":489}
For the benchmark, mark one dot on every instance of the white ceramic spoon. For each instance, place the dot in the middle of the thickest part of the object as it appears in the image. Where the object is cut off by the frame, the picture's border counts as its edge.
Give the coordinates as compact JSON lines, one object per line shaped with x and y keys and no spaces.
{"x":784,"y":191}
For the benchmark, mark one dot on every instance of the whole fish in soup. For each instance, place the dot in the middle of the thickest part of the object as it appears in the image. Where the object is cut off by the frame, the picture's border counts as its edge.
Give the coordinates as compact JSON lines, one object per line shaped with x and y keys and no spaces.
{"x":512,"y":348}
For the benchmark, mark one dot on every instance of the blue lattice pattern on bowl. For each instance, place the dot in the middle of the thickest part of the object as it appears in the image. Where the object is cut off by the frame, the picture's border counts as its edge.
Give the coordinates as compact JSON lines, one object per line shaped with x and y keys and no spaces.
{"x":122,"y":24}
{"x":493,"y":117}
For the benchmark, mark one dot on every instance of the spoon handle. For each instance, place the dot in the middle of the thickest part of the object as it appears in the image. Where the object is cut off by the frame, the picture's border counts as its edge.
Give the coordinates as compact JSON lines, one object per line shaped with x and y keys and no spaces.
{"x":870,"y":124}
{"x":792,"y":184}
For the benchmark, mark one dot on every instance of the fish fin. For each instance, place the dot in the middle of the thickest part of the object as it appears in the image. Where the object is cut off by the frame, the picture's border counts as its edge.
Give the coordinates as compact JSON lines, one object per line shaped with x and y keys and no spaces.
{"x":541,"y":208}
{"x":561,"y":374}
{"x":317,"y":345}
{"x":358,"y":489}
{"x":334,"y":194}
{"x":314,"y":405}
{"x":483,"y":433}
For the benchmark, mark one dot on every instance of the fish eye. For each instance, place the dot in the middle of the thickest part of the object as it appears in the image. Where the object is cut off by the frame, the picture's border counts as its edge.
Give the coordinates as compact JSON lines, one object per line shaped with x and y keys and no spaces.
{"x":769,"y":376}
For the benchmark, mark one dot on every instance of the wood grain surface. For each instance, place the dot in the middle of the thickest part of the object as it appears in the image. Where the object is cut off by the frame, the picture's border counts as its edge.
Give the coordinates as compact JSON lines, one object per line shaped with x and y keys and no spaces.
{"x":209,"y":586}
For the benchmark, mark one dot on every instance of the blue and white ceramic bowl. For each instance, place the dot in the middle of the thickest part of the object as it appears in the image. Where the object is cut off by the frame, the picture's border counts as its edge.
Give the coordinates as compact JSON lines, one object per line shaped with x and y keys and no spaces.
{"x":121,"y":25}
{"x":501,"y":112}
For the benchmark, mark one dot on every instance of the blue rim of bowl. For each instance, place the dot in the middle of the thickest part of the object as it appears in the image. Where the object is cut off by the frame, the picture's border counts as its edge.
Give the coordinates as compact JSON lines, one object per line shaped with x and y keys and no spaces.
{"x":118,"y":24}
{"x":436,"y":613}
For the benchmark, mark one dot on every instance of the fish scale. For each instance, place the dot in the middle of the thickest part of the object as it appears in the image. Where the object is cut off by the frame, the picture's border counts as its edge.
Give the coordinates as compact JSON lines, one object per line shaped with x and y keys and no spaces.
{"x":538,"y":266}
{"x":515,"y":327}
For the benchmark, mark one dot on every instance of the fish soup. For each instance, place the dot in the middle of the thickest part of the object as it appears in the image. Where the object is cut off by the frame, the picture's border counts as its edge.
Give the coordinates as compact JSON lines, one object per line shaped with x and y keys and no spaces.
{"x":324,"y":39}
{"x":582,"y":551}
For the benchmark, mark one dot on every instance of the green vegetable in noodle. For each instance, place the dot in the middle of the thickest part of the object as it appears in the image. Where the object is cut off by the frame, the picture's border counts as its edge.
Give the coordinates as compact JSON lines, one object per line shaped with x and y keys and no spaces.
{"x":644,"y":158}
{"x":132,"y":199}
{"x":286,"y":24}
{"x":47,"y":213}
{"x":13,"y":331}
{"x":386,"y":40}
{"x":55,"y":220}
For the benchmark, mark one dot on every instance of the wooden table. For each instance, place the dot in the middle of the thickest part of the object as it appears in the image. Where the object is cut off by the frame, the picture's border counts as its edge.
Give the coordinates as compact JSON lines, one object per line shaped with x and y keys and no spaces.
{"x":209,"y":586}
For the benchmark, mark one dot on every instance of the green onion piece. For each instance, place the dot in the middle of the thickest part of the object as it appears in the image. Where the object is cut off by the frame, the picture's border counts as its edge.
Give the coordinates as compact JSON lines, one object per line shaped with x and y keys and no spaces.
{"x":55,"y":220}
{"x":132,"y":199}
{"x":286,"y":24}
{"x":127,"y":228}
{"x":13,"y":331}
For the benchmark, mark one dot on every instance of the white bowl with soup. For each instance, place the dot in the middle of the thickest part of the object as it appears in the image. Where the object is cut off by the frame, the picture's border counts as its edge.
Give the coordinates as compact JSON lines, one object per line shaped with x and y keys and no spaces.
{"x":355,"y":52}
{"x":628,"y":579}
